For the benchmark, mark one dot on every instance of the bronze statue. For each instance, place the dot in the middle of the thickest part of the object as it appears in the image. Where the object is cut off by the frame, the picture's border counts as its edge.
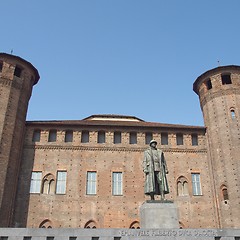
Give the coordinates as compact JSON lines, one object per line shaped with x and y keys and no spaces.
{"x":155,"y":169}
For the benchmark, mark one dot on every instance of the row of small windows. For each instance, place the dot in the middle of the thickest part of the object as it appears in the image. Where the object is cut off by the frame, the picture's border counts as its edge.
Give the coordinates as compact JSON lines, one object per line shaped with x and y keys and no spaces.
{"x":46,"y":185}
{"x":52,"y":238}
{"x":101,"y":137}
{"x":226,"y":79}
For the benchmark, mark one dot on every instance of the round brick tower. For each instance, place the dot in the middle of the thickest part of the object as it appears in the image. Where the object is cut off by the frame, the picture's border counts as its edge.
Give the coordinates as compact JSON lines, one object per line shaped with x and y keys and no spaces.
{"x":219,"y":93}
{"x":17,"y":78}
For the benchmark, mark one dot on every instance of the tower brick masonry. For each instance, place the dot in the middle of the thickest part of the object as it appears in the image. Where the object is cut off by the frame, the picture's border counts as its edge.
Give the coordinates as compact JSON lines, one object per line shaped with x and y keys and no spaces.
{"x":16,"y":80}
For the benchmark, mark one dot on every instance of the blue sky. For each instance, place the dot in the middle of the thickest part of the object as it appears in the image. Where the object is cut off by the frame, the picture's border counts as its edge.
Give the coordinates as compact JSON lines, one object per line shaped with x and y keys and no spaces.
{"x":128,"y":57}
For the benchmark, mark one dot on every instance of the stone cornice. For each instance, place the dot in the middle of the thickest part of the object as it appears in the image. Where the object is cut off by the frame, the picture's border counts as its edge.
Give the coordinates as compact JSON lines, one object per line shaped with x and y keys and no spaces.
{"x":115,"y":149}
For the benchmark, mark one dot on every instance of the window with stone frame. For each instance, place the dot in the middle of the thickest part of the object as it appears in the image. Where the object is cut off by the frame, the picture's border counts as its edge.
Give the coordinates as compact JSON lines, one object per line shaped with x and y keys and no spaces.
{"x":196,"y":184}
{"x":61,"y":182}
{"x":117,"y":181}
{"x":36,"y":180}
{"x":91,"y":188}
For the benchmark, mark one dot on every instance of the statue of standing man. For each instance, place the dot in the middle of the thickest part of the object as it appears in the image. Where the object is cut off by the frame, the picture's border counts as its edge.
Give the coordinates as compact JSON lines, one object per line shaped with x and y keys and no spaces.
{"x":155,"y":169}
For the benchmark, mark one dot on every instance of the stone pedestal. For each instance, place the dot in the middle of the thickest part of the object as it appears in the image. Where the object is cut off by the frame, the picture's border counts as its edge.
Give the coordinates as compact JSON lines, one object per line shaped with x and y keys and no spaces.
{"x":159,"y":214}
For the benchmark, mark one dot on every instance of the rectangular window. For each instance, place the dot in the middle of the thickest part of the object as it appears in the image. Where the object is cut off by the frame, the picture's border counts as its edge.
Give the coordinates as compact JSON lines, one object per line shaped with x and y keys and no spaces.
{"x":133,"y":138}
{"x":36,"y":180}
{"x":117,"y":137}
{"x":69,"y":136}
{"x":27,"y":238}
{"x":194,"y":139}
{"x":17,"y":71}
{"x":117,"y":183}
{"x":196,"y":184}
{"x":61,"y":182}
{"x":52,"y":136}
{"x":226,"y":79}
{"x":101,"y":137}
{"x":49,"y":238}
{"x":148,"y":137}
{"x":91,"y":183}
{"x":72,"y":238}
{"x":209,"y":84}
{"x":179,"y":139}
{"x":85,"y":137}
{"x":36,"y":136}
{"x":164,"y":138}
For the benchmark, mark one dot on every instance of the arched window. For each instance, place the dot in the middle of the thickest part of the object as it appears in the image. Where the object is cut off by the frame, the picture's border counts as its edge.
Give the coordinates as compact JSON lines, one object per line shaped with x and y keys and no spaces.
{"x":182,"y":186}
{"x":135,"y":225}
{"x":48,"y":184}
{"x":233,"y":114}
{"x":90,"y":224}
{"x":224,"y":194}
{"x":46,"y":224}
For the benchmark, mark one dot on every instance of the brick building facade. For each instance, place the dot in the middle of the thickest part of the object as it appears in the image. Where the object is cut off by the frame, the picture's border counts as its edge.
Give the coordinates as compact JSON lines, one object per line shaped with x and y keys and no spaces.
{"x":88,"y":173}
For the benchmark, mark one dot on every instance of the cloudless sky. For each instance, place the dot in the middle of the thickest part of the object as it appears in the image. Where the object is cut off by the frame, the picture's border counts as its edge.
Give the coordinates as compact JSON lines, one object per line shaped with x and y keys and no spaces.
{"x":127,"y":57}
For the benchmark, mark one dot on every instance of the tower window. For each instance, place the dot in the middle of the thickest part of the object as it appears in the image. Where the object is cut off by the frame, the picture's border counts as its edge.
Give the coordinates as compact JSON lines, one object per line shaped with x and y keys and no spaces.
{"x":69,"y":136}
{"x":1,"y":66}
{"x":209,"y":84}
{"x":17,"y":71}
{"x":225,"y":194}
{"x":85,"y":137}
{"x":117,"y":137}
{"x":179,"y":138}
{"x":148,"y":138}
{"x":164,"y":138}
{"x":194,"y":139}
{"x":133,"y":138}
{"x":52,"y":137}
{"x":226,"y":79}
{"x":233,"y":115}
{"x":36,"y":136}
{"x":101,"y":137}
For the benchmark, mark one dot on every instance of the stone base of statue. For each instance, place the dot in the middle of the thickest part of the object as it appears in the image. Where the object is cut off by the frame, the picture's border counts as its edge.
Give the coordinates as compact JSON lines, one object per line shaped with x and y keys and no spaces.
{"x":159,"y":214}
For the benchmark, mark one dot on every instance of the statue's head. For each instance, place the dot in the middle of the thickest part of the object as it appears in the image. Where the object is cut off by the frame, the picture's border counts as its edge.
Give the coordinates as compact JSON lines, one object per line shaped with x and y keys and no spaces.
{"x":153,"y":143}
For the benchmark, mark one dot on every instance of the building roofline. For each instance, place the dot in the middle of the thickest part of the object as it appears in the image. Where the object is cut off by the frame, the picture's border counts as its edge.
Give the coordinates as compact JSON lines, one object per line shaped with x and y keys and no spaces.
{"x":6,"y":55}
{"x":213,"y":71}
{"x":100,"y":123}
